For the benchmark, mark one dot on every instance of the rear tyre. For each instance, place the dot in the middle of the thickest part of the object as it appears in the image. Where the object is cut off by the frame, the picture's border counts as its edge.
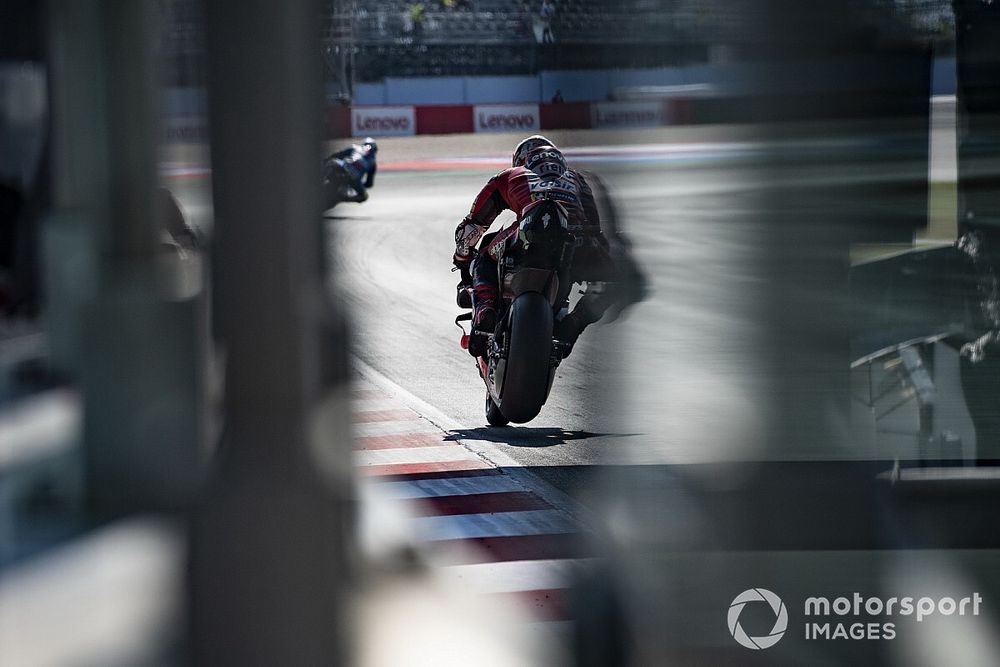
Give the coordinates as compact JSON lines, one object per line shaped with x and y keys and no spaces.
{"x":526,"y":377}
{"x":333,"y":190}
{"x":493,"y":415}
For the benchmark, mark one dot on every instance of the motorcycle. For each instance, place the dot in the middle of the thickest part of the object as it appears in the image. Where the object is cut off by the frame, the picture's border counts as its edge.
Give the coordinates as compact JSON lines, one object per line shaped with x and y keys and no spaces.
{"x":522,"y":353}
{"x":336,"y":183}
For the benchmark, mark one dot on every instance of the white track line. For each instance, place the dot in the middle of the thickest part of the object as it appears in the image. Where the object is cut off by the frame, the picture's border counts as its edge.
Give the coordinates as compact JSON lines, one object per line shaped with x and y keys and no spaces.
{"x":415,"y":425}
{"x":373,"y":404}
{"x":409,"y":455}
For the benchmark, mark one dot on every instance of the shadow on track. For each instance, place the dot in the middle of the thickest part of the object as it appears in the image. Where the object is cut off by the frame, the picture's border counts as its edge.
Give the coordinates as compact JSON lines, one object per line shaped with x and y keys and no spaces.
{"x":526,"y":436}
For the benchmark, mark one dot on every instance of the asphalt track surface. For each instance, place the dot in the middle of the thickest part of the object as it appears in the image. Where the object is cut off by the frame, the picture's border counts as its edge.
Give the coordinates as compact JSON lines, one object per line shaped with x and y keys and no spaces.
{"x":672,"y":381}
{"x":608,"y":400}
{"x":395,"y":260}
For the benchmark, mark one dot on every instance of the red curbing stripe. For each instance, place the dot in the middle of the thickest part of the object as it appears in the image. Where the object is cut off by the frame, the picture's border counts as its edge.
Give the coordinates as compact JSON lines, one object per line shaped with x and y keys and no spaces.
{"x":432,"y":467}
{"x":479,"y":503}
{"x":383,"y":416}
{"x":511,"y":548}
{"x":402,"y":441}
{"x":550,"y":604}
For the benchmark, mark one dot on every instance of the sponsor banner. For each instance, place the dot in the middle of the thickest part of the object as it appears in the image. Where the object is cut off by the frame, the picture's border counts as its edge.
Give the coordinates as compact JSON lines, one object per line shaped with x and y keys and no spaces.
{"x":628,"y":114}
{"x":383,"y":121}
{"x":185,"y":129}
{"x":506,"y":117}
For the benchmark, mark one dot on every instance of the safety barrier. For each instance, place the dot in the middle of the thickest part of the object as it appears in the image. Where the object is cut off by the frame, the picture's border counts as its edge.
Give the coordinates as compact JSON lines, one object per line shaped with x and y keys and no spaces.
{"x":406,"y":120}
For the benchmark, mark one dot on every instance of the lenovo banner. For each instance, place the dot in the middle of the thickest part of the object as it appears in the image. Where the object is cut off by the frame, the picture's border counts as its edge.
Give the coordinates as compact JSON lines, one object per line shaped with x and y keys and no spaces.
{"x":628,"y":114}
{"x":185,"y":129}
{"x":506,"y":118}
{"x":383,"y":121}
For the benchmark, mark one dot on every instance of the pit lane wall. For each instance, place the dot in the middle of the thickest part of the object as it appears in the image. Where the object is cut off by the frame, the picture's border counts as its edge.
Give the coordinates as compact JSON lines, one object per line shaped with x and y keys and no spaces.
{"x":406,"y":120}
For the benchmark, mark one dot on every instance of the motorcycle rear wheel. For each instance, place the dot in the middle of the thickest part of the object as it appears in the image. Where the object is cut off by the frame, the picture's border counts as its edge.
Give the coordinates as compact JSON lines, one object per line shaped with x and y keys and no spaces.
{"x":334,"y":189}
{"x":526,"y":376}
{"x":493,"y":415}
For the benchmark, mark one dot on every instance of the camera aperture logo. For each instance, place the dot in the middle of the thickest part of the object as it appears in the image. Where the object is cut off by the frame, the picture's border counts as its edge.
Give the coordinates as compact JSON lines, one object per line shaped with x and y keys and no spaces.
{"x":856,"y":617}
{"x":780,"y":618}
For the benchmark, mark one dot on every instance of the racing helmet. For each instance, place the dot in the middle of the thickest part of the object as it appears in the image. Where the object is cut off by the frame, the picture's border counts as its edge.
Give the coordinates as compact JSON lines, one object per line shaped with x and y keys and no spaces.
{"x":547,"y":161}
{"x":523,"y":148}
{"x":370,"y":144}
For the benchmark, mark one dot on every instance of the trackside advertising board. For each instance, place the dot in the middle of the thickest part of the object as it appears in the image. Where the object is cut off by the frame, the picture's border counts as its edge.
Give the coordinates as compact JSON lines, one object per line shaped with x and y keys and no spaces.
{"x":506,"y":117}
{"x":393,"y":121}
{"x":628,"y":114}
{"x":185,"y":129}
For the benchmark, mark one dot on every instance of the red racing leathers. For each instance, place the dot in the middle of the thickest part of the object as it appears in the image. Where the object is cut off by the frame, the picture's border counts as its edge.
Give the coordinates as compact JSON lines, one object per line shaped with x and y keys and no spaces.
{"x":515,"y":189}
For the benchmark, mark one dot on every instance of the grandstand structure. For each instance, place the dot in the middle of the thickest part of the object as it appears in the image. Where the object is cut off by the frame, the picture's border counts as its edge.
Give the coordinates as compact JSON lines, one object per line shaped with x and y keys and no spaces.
{"x":369,"y":41}
{"x":491,"y":37}
{"x":497,"y":37}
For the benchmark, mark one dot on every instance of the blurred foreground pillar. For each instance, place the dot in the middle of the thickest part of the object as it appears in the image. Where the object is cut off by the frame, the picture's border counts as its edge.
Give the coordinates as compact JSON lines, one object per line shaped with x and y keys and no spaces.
{"x":977,"y":31}
{"x":841,"y":120}
{"x":268,"y":541}
{"x":136,"y":346}
{"x":977,"y":37}
{"x":852,"y":91}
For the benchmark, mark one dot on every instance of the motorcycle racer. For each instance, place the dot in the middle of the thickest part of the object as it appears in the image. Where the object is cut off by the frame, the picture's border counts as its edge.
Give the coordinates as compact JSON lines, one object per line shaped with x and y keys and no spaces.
{"x":538,"y":171}
{"x":358,"y":162}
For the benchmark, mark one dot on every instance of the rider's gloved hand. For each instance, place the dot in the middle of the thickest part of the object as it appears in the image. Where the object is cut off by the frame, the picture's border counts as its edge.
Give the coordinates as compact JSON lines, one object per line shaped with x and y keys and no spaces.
{"x":464,"y":265}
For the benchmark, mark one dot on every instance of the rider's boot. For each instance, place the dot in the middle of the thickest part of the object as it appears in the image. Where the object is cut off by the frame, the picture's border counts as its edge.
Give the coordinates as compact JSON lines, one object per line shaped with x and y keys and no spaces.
{"x":484,"y":322}
{"x":567,"y":330}
{"x":484,"y":318}
{"x":589,"y":309}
